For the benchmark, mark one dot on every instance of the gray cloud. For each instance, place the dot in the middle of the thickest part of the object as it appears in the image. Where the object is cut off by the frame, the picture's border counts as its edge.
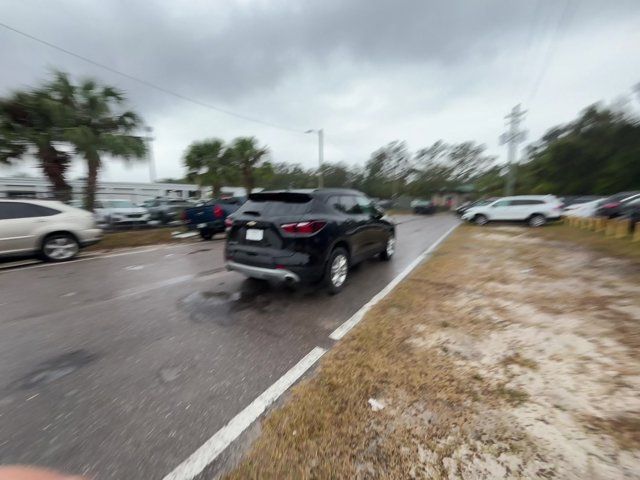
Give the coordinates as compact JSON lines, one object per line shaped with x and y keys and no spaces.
{"x":314,"y":63}
{"x":227,"y":50}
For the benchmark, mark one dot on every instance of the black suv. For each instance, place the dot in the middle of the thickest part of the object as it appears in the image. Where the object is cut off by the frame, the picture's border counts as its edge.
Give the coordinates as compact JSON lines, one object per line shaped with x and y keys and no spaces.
{"x":307,"y":235}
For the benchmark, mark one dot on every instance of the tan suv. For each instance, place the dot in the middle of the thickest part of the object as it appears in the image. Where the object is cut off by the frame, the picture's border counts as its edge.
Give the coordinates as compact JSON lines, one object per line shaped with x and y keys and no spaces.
{"x":49,"y":229}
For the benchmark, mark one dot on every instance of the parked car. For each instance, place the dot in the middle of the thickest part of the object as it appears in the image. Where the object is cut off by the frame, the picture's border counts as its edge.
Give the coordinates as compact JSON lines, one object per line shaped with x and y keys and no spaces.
{"x":167,"y":210}
{"x":631,"y":211}
{"x":574,"y":200}
{"x":478,"y":203}
{"x":587,"y":209}
{"x":536,"y":210}
{"x":49,"y":229}
{"x":422,"y":207}
{"x":210,"y":216}
{"x":611,"y":206}
{"x":307,"y":236}
{"x":115,"y":212}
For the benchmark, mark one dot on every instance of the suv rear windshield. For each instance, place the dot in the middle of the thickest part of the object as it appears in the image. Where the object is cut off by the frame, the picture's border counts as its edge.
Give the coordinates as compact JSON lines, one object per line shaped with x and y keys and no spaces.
{"x":276,"y":203}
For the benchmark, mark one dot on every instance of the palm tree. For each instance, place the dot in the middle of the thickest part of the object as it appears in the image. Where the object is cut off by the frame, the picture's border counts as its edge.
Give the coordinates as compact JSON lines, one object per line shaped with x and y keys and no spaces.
{"x":97,"y":126}
{"x":32,"y":122}
{"x":208,"y":162}
{"x":246,"y":155}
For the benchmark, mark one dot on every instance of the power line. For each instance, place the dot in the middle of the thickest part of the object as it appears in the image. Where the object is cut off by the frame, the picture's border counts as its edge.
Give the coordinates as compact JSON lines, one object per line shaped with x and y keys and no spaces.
{"x":146,"y":82}
{"x":562,"y":19}
{"x":524,"y":63}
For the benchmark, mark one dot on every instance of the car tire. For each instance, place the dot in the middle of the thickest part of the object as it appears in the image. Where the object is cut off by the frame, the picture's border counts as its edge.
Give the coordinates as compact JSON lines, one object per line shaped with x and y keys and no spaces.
{"x":480,"y":220}
{"x":537,"y":220}
{"x":59,"y":247}
{"x":336,"y":271}
{"x":389,"y":250}
{"x":206,"y":234}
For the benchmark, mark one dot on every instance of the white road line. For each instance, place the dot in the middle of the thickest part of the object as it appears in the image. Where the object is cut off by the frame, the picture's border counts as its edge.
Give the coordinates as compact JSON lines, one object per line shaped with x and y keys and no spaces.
{"x":342,"y":330}
{"x":213,"y":447}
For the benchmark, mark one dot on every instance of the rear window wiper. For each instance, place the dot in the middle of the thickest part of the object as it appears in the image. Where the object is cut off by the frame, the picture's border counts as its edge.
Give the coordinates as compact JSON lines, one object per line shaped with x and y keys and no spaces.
{"x":251,"y":212}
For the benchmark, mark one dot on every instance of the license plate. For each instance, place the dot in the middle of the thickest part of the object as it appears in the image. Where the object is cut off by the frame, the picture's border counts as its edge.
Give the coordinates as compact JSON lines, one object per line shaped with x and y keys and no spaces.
{"x":254,"y":234}
{"x":202,"y":225}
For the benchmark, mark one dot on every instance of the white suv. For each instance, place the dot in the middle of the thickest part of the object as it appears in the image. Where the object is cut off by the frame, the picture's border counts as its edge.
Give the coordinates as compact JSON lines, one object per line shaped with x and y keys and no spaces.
{"x":536,"y":210}
{"x":49,"y":229}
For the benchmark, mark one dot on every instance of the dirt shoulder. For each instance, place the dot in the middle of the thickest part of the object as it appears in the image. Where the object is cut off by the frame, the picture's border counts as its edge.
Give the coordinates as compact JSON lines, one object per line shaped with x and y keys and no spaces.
{"x":510,"y":354}
{"x":138,"y":238}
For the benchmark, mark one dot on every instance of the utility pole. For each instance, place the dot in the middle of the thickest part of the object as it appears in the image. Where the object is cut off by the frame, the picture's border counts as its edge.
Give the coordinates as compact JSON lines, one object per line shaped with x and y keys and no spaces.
{"x":512,"y":138}
{"x":150,"y":159}
{"x":320,"y":133}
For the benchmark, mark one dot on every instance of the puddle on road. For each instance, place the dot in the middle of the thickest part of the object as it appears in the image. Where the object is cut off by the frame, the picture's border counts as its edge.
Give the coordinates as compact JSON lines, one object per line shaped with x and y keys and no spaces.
{"x":56,"y":368}
{"x":225,"y":308}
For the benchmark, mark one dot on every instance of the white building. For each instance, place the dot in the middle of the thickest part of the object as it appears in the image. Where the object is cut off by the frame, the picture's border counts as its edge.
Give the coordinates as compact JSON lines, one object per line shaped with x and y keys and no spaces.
{"x":136,"y":192}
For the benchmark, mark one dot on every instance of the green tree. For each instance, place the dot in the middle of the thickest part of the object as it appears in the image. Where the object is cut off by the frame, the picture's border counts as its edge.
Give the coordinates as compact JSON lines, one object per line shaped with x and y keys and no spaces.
{"x":446,"y":166}
{"x":596,"y":153}
{"x":31,"y":122}
{"x":210,"y":163}
{"x":246,"y":155}
{"x":336,"y":175}
{"x":97,"y":125}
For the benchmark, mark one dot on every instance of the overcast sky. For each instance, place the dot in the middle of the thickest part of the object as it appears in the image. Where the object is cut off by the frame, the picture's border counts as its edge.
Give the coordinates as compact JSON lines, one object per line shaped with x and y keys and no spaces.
{"x":367,"y":71}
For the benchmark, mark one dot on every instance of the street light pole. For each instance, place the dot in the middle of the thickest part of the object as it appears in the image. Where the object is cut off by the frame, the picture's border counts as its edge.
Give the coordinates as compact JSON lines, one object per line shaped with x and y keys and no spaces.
{"x":320,"y":133}
{"x":150,"y":159}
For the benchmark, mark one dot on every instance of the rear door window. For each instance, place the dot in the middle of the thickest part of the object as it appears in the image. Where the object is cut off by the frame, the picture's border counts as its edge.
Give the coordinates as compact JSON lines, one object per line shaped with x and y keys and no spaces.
{"x":365,"y":205}
{"x":349,"y":205}
{"x":12,"y":210}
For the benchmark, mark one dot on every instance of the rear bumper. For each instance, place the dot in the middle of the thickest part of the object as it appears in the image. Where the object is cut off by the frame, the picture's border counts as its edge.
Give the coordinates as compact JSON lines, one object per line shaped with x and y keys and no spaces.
{"x":215,"y":226}
{"x":264,"y":273}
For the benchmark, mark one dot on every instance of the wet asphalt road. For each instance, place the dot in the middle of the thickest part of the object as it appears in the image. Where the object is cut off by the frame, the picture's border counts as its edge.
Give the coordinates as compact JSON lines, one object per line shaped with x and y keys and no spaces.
{"x":121,"y":366}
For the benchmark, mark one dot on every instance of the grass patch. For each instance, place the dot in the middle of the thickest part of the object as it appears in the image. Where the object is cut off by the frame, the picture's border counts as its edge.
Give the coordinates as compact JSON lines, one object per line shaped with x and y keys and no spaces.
{"x":617,"y":247}
{"x":135,"y":238}
{"x":514,"y":396}
{"x":517,"y":359}
{"x":624,"y":429}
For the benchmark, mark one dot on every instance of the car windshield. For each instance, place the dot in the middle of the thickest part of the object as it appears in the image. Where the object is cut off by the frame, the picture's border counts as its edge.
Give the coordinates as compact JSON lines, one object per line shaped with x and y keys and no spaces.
{"x":119,"y":204}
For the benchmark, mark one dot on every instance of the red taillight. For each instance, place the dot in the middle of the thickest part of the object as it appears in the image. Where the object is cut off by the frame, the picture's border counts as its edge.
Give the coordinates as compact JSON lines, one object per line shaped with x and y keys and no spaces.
{"x":228,"y":222}
{"x":611,"y":205}
{"x":303,"y":228}
{"x":217,"y":211}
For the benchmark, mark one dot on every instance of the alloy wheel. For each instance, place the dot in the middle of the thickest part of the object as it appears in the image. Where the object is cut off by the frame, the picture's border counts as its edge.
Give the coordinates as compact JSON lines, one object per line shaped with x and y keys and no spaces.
{"x":339,"y":269}
{"x":60,"y":248}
